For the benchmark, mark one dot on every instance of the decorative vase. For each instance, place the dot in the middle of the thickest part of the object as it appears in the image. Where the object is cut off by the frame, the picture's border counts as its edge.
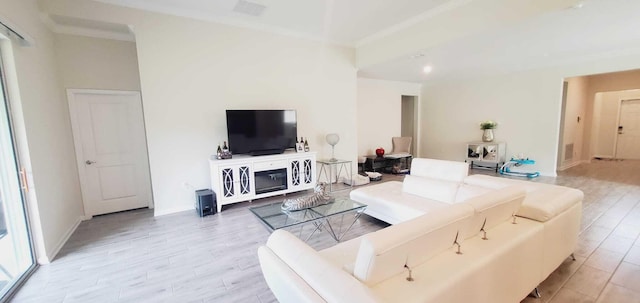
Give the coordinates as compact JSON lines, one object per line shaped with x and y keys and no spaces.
{"x":487,"y":135}
{"x":379,"y":151}
{"x":333,"y":139}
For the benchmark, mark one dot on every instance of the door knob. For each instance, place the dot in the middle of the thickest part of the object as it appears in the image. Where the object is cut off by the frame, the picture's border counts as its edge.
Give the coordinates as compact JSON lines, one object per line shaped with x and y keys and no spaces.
{"x":89,"y":162}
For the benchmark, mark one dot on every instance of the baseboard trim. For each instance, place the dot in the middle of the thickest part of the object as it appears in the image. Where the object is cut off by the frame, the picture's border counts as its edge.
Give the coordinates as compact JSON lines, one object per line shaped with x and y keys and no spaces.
{"x":570,"y":165}
{"x":51,"y":255}
{"x":548,"y":174}
{"x":158,"y":212}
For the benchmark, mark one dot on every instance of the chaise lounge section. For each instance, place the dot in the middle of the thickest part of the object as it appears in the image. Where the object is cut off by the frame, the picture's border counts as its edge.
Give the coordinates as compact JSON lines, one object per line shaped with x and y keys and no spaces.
{"x":437,"y":212}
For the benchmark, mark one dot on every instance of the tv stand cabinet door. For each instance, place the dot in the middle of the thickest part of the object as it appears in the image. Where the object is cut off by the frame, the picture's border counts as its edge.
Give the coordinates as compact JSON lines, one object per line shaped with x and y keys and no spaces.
{"x":301,"y":173}
{"x":236,"y":183}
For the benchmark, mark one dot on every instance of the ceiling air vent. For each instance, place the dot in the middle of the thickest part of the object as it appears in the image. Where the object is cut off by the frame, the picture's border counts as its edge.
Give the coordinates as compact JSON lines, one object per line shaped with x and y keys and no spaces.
{"x":249,"y":8}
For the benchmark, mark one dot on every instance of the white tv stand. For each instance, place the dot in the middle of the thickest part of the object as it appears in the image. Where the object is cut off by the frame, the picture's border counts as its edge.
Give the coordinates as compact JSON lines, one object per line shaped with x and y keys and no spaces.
{"x":235,"y":180}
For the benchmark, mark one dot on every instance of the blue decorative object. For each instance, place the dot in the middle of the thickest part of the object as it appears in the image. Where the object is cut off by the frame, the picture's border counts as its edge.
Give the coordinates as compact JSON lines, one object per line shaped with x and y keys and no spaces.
{"x":515,"y":162}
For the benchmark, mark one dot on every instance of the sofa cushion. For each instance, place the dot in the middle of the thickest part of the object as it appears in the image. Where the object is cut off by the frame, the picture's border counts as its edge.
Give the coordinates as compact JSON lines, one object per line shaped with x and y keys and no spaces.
{"x":495,"y":208}
{"x":440,"y":169}
{"x":466,"y":192}
{"x":430,"y":188}
{"x":384,"y":253}
{"x":388,"y":202}
{"x":542,"y":202}
{"x":285,"y":283}
{"x":501,"y":270}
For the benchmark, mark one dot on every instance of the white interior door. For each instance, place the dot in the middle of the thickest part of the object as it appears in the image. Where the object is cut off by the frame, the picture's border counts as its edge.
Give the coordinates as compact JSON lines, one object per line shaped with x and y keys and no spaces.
{"x":628,"y":141}
{"x":111,"y":150}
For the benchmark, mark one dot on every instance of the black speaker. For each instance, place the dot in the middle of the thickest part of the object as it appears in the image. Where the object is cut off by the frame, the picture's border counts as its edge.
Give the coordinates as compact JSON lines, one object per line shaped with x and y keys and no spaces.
{"x":205,"y":202}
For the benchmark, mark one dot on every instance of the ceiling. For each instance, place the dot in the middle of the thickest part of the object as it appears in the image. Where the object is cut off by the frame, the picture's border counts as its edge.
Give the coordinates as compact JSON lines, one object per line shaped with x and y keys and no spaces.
{"x":338,"y":21}
{"x":599,"y":28}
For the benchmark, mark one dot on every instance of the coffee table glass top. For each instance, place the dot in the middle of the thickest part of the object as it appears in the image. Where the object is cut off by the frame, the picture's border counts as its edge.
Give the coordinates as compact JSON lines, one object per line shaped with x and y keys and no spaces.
{"x":275,"y":218}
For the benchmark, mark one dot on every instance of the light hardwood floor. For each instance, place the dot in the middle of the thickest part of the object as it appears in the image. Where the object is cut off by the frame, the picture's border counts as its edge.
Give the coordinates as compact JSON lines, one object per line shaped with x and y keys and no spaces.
{"x":135,"y":257}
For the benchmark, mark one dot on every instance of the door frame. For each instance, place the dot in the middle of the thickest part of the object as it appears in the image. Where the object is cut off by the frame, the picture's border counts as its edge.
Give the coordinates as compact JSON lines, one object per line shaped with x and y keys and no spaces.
{"x":77,"y":141}
{"x":9,"y":83}
{"x":415,"y":102}
{"x":615,"y":136}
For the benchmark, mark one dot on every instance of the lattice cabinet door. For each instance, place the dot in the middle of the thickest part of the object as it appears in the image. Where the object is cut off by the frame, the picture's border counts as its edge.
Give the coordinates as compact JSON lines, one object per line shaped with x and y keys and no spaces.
{"x":295,"y":174}
{"x":308,"y":167}
{"x":237,"y":181}
{"x":301,"y":173}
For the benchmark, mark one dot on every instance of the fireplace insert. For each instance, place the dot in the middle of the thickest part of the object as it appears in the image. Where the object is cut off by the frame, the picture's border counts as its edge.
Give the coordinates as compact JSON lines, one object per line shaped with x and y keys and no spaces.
{"x":271,"y":180}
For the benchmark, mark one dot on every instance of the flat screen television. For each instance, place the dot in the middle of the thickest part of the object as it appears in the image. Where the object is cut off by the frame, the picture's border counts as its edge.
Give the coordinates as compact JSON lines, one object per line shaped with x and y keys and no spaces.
{"x":261,"y":132}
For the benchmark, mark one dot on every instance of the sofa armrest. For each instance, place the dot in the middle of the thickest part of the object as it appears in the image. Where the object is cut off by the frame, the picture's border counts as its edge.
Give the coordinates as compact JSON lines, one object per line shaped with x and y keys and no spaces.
{"x":285,"y":284}
{"x":494,"y":208}
{"x":330,"y":282}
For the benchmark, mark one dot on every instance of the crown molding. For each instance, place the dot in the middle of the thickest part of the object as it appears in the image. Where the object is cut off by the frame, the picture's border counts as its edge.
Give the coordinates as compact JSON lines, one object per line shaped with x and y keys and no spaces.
{"x":86,"y":32}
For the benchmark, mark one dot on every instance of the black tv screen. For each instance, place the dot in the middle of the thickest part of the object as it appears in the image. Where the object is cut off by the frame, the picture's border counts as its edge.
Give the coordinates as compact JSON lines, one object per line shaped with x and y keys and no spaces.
{"x":260,"y":132}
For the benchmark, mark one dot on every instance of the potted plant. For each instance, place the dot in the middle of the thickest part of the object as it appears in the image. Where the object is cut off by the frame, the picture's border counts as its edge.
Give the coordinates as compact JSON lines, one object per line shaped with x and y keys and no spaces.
{"x":488,"y":126}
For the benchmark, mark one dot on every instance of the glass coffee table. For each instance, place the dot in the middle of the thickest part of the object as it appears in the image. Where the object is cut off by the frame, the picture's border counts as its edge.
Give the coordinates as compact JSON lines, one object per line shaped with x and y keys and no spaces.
{"x":275,"y":218}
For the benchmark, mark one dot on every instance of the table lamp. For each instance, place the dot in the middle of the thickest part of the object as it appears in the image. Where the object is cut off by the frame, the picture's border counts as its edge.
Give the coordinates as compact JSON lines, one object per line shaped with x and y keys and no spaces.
{"x":333,"y":139}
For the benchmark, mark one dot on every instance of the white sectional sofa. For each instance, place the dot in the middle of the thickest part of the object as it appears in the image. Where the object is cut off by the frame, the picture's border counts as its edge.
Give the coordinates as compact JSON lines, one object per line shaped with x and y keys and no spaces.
{"x":436,"y":205}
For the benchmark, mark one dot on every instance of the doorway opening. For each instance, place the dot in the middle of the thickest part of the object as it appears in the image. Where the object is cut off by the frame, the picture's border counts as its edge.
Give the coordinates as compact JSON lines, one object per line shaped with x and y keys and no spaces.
{"x":615,"y":125}
{"x":409,"y":121}
{"x":590,"y":120}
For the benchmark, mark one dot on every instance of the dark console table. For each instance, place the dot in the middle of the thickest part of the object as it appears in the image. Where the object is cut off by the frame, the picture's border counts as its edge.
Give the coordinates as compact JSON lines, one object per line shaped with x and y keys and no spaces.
{"x":386,"y":164}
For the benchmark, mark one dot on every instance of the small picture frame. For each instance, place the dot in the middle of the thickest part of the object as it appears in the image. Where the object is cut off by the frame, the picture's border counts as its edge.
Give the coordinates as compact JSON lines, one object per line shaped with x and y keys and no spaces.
{"x":300,"y":147}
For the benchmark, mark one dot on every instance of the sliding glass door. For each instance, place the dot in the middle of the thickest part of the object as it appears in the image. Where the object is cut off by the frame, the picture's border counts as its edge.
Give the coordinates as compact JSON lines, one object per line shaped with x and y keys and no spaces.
{"x":16,"y":254}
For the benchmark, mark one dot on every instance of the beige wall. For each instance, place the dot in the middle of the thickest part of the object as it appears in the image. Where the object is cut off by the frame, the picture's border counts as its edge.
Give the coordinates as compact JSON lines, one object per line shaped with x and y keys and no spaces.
{"x":97,"y":63}
{"x":601,"y":143}
{"x":380,"y":112}
{"x":573,"y":130}
{"x":606,"y":114}
{"x":43,"y":130}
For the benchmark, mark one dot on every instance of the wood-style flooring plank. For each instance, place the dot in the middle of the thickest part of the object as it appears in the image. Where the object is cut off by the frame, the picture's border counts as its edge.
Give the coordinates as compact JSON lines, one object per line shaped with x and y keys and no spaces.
{"x":136,"y":257}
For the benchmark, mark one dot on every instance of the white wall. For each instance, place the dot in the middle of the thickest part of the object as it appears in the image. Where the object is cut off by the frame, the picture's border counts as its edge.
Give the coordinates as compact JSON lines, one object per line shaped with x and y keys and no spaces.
{"x":573,"y":130}
{"x":380,"y":112}
{"x":94,"y":63}
{"x":43,"y":130}
{"x":192,"y":71}
{"x":526,"y":104}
